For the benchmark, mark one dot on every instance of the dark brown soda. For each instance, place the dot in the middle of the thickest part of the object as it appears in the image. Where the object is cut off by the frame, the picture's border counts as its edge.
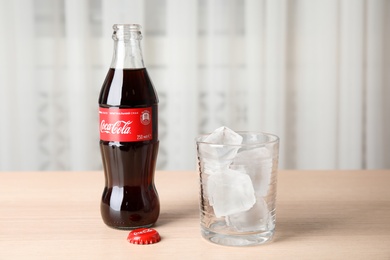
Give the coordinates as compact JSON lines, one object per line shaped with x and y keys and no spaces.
{"x":129,"y":199}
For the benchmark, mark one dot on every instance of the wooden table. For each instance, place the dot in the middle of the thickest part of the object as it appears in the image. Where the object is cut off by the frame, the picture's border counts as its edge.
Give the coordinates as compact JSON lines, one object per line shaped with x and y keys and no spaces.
{"x":320,"y":215}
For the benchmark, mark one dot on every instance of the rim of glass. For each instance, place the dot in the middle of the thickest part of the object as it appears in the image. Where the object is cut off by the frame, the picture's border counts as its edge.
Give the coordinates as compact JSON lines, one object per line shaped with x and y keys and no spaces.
{"x":129,"y":26}
{"x":273,"y":139}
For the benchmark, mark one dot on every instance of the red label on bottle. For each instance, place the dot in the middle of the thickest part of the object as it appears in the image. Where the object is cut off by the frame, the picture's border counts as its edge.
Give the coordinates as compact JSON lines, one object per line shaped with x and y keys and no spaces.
{"x":125,"y":124}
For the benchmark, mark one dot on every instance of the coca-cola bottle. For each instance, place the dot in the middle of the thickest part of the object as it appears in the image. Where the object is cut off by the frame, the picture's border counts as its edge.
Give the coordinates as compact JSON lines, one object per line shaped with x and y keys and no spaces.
{"x":128,"y":135}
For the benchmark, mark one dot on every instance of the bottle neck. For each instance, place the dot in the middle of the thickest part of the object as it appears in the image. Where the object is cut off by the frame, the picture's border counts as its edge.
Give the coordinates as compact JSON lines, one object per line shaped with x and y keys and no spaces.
{"x":127,"y":47}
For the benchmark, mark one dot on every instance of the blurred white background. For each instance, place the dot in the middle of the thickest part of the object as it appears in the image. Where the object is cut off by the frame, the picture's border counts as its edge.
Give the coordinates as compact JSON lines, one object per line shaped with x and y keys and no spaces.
{"x":314,"y":72}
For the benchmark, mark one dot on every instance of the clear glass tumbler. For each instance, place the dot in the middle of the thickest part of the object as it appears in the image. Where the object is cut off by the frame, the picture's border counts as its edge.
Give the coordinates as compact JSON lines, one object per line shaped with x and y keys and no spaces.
{"x":238,"y":189}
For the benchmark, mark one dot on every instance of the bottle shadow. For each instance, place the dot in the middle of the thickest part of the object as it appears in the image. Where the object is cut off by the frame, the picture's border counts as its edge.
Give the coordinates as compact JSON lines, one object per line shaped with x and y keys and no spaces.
{"x":188,"y":211}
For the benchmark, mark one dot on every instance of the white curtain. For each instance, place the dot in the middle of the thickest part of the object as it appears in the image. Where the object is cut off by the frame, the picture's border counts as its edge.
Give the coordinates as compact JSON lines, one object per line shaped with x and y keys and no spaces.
{"x":314,"y":72}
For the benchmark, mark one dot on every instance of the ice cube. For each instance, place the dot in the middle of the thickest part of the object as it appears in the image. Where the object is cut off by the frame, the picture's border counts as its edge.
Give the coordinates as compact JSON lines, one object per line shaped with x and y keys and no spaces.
{"x":211,"y":166}
{"x":259,"y":153}
{"x":256,"y":218}
{"x":216,"y":144}
{"x":229,"y":192}
{"x":223,"y":135}
{"x":257,"y":163}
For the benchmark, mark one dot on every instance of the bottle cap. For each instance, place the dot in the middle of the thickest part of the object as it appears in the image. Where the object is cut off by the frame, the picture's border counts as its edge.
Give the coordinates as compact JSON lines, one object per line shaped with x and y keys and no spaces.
{"x":143,"y":236}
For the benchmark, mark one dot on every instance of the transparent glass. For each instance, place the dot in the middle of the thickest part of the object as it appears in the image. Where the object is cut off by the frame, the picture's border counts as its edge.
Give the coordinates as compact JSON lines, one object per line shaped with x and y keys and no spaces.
{"x":127,"y":47}
{"x":238,"y":189}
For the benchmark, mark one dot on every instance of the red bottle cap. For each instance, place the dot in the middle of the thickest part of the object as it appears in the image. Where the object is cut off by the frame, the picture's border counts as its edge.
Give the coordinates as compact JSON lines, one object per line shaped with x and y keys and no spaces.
{"x":143,"y":236}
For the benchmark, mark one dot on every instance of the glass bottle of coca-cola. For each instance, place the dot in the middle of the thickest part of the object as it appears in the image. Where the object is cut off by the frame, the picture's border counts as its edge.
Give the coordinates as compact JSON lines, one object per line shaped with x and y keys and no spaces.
{"x":128,"y":135}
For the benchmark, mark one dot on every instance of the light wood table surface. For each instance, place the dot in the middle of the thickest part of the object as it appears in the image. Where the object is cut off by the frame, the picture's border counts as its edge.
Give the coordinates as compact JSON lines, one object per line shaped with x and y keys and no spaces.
{"x":320,"y":215}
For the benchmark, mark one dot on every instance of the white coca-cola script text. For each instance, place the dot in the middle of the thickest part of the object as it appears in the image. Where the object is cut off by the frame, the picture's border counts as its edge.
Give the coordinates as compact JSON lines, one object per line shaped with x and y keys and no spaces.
{"x":119,"y":127}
